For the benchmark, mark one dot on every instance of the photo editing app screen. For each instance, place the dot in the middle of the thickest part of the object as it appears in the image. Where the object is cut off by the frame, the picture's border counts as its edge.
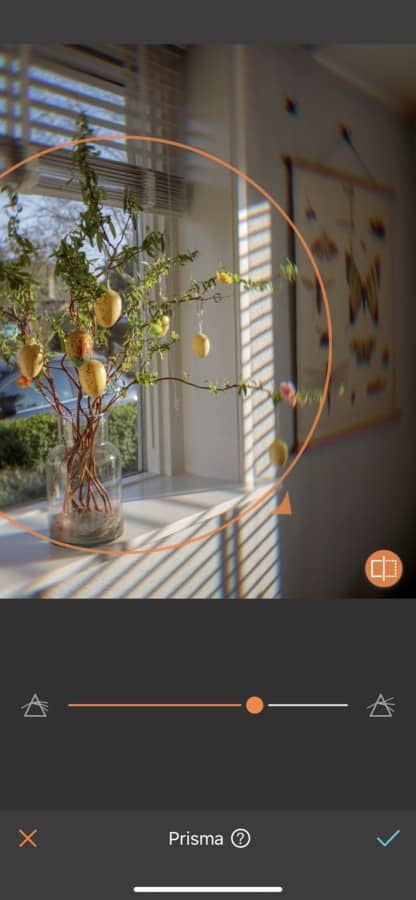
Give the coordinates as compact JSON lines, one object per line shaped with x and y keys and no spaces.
{"x":207,"y":491}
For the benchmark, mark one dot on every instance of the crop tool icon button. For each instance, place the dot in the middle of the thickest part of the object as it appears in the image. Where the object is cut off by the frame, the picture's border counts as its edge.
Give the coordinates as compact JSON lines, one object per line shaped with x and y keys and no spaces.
{"x":27,"y":838}
{"x":384,"y":568}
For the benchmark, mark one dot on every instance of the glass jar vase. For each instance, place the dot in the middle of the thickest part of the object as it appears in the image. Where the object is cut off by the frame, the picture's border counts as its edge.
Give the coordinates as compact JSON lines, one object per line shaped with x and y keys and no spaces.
{"x":83,"y":478}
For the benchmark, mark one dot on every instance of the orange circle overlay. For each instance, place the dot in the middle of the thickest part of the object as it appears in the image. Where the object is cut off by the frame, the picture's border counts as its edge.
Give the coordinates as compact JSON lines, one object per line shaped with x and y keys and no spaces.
{"x":268,"y":493}
{"x":384,"y":568}
{"x":254,"y":705}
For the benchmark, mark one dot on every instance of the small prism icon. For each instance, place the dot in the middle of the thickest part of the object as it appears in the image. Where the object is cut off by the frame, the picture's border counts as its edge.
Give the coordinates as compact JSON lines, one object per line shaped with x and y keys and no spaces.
{"x":36,"y":709}
{"x":382,"y":708}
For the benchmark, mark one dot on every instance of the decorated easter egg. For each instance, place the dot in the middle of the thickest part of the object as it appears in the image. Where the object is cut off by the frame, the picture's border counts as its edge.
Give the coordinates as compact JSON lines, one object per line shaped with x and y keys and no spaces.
{"x":93,"y":377}
{"x":79,"y":345}
{"x":108,"y":308}
{"x":200,"y":345}
{"x":278,"y":452}
{"x":30,"y":359}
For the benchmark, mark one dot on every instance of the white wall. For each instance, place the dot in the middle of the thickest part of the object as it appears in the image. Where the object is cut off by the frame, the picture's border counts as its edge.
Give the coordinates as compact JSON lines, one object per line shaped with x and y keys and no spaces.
{"x":211,"y":432}
{"x":357,"y":494}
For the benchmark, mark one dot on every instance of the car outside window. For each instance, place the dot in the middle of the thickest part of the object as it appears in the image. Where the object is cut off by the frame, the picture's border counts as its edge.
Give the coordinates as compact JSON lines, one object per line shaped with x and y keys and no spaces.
{"x":14,"y":399}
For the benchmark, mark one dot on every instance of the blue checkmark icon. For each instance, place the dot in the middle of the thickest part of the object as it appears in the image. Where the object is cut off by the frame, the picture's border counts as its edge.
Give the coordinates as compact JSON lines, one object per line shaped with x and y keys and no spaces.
{"x":389,"y":840}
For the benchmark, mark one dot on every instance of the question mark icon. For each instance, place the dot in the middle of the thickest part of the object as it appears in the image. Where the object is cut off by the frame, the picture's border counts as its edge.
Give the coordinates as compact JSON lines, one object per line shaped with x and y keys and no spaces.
{"x":240,"y":838}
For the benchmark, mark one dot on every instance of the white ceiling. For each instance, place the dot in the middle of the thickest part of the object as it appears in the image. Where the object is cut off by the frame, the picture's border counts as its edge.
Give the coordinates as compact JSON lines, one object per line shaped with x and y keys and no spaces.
{"x":384,"y":71}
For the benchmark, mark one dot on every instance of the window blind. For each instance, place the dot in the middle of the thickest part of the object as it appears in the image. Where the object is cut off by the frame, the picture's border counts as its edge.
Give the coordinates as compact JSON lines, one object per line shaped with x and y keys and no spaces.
{"x":122,"y":88}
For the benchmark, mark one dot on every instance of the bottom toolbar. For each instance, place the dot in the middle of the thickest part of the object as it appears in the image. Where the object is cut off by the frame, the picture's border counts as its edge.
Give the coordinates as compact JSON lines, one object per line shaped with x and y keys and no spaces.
{"x":119,"y":854}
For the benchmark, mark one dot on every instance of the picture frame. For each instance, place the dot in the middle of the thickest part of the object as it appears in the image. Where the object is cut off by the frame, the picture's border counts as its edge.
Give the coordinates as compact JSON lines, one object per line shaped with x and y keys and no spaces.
{"x":346,"y":221}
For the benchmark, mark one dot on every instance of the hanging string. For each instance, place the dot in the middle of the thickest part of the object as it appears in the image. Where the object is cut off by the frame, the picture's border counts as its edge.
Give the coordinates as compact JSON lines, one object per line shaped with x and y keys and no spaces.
{"x":345,"y":133}
{"x":199,"y":315}
{"x":346,"y":136}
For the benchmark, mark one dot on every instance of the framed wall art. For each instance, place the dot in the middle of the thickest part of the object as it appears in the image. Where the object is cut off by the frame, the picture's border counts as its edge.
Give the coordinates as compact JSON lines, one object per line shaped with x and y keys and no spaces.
{"x":347,"y":223}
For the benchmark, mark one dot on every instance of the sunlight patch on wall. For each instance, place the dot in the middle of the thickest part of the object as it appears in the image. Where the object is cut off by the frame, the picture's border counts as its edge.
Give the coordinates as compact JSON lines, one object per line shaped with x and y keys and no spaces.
{"x":256,"y":323}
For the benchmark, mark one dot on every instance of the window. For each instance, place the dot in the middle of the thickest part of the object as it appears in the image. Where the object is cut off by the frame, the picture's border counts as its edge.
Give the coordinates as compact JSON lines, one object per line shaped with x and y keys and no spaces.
{"x":18,"y":403}
{"x":43,"y":90}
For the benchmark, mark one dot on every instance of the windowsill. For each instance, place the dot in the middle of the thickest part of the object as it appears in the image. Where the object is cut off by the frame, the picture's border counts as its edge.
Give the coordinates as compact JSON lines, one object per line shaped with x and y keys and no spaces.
{"x":155,"y":507}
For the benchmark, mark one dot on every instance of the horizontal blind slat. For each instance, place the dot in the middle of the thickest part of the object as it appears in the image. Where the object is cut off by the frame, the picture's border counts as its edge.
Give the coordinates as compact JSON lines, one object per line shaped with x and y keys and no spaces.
{"x":38,"y":105}
{"x":80,"y":96}
{"x":64,"y":56}
{"x":84,"y":79}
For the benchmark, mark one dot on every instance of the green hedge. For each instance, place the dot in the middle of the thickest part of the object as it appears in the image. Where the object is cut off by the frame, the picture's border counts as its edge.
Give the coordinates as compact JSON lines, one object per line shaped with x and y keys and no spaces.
{"x":25,"y":443}
{"x":21,"y":485}
{"x":122,"y":431}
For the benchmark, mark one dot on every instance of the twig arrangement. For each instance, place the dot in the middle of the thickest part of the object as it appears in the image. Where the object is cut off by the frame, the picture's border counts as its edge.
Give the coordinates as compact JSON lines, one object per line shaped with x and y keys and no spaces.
{"x":87,"y":260}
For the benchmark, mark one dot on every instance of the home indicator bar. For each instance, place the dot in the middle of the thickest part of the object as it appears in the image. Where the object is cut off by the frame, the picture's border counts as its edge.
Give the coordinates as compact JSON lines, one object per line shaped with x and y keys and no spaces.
{"x":208,"y":890}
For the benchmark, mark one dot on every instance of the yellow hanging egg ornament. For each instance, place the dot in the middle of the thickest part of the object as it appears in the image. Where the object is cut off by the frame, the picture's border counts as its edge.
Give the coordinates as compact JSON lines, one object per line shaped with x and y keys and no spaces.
{"x":165,"y":323}
{"x":279,"y":452}
{"x":30,"y":359}
{"x":93,"y":377}
{"x":108,"y":308}
{"x":200,"y":345}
